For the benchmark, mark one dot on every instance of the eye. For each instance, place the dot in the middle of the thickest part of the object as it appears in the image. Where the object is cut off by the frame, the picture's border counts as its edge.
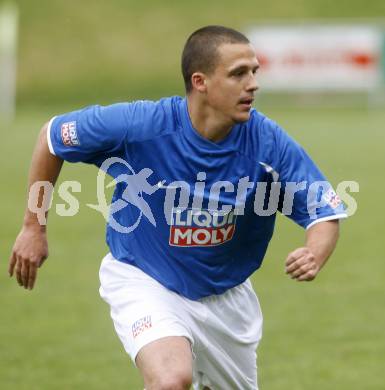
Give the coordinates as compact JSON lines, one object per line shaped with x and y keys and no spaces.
{"x":238,"y":73}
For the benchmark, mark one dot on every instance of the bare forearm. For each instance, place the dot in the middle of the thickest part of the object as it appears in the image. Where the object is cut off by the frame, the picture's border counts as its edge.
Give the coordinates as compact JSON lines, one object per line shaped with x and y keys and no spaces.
{"x":31,"y":246}
{"x":321,"y":239}
{"x":45,"y":167}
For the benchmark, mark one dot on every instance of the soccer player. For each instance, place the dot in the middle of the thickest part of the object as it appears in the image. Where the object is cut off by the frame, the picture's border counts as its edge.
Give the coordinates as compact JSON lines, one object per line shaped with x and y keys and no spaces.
{"x":205,"y":173}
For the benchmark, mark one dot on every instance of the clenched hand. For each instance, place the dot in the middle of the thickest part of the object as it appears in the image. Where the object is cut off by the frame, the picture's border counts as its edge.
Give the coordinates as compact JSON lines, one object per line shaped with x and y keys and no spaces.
{"x":301,"y":264}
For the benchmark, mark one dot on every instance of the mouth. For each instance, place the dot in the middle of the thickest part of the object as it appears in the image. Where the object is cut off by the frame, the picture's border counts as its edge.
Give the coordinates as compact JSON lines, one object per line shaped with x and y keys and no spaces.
{"x":246,"y":103}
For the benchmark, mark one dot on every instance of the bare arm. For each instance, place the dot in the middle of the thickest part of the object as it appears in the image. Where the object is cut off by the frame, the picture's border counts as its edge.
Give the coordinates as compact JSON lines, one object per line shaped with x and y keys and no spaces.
{"x":303,"y":264}
{"x":31,"y":247}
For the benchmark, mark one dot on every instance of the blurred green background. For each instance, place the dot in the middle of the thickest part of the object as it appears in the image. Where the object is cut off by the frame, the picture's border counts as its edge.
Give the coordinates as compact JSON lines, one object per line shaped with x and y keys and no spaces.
{"x":328,"y":334}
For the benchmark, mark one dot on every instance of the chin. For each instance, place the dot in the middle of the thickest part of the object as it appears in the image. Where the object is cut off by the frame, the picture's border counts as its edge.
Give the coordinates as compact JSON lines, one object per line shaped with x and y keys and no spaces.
{"x":242,"y":117}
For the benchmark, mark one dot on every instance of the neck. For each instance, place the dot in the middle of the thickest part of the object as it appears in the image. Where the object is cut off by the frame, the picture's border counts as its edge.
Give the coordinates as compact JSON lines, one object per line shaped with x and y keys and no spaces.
{"x":208,"y":122}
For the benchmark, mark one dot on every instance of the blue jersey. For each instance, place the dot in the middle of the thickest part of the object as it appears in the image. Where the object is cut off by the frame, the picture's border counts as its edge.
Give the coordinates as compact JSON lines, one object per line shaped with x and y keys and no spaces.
{"x":193,"y":214}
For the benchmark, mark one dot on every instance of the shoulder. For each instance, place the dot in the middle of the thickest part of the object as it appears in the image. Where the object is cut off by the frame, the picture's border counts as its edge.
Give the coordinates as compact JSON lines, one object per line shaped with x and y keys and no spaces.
{"x":260,"y":135}
{"x":268,"y":132}
{"x":261,"y":125}
{"x":153,"y":118}
{"x":141,"y":119}
{"x":133,"y":121}
{"x":164,"y":105}
{"x":265,"y":140}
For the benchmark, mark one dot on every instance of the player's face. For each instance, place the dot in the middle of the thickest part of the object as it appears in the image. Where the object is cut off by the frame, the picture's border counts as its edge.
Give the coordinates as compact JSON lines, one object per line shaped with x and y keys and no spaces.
{"x":231,"y":87}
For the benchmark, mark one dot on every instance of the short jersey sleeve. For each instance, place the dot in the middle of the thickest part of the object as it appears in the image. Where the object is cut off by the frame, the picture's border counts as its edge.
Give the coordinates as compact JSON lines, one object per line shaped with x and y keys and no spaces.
{"x":306,"y":195}
{"x":98,"y":131}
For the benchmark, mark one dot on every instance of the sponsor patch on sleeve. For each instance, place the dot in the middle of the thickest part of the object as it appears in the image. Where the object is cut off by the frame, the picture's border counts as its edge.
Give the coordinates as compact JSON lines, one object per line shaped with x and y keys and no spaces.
{"x":69,"y":134}
{"x":332,"y":199}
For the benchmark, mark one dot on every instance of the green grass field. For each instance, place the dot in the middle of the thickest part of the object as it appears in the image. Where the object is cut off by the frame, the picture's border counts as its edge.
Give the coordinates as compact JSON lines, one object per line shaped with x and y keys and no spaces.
{"x":328,"y":334}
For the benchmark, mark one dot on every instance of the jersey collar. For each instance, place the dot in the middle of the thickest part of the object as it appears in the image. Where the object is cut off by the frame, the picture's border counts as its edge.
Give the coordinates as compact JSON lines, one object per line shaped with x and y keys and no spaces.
{"x":229,"y":142}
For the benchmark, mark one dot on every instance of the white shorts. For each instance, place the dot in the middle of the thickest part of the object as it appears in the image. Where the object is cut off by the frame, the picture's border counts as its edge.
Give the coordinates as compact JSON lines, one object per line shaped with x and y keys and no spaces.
{"x":224,"y":330}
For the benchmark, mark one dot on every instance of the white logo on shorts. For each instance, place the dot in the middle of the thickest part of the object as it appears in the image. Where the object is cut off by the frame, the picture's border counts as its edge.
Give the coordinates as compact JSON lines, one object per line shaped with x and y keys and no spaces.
{"x":141,"y":325}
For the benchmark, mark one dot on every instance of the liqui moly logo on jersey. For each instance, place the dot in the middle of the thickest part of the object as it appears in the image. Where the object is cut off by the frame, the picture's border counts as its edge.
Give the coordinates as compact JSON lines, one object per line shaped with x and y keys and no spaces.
{"x":194,"y":227}
{"x":332,"y":199}
{"x":69,"y":134}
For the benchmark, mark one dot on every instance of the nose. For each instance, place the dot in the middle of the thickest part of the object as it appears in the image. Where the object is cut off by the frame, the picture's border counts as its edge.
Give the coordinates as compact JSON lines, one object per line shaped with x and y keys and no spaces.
{"x":252,"y":84}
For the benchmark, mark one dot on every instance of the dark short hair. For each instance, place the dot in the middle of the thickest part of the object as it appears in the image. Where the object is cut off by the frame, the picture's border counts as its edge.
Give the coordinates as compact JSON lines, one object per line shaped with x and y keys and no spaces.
{"x":200,"y":53}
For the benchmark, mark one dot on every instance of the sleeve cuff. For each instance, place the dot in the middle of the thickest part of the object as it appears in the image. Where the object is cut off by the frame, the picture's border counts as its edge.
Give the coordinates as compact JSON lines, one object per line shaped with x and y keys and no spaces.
{"x":329,"y":218}
{"x":49,"y":141}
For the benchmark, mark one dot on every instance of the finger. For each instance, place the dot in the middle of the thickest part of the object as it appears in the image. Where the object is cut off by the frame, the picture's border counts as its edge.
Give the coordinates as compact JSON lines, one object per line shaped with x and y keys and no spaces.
{"x":308,"y":276}
{"x":296,"y":254}
{"x":32,"y":275}
{"x":25,"y":272}
{"x":302,"y":270}
{"x":296,"y":264}
{"x":18,"y":272}
{"x":291,"y":258}
{"x":12,"y":263}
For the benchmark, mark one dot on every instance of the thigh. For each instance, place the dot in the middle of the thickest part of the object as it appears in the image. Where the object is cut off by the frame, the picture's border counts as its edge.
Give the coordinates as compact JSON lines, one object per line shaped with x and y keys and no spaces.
{"x":142,"y":310}
{"x":230,"y":335}
{"x":222,"y":366}
{"x":166,"y":360}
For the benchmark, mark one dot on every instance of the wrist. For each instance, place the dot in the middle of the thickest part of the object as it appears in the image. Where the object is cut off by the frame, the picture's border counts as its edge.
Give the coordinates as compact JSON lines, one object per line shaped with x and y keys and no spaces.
{"x":33,"y":224}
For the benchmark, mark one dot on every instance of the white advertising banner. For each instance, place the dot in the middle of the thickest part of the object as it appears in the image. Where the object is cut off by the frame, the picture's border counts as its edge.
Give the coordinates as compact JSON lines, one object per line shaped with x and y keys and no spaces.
{"x":315,"y":57}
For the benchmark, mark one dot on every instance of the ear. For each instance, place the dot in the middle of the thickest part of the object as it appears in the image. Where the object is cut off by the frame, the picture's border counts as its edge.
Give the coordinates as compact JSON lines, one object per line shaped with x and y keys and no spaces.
{"x":198,"y":81}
